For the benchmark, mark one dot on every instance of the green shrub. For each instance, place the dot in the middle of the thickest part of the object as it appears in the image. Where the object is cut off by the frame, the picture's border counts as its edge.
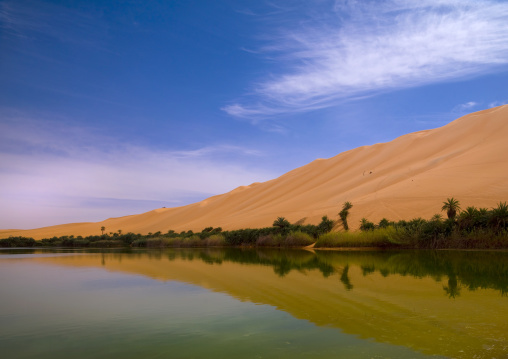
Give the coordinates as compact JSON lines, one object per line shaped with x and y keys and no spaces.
{"x":18,"y":242}
{"x":161,"y":242}
{"x":298,"y":239}
{"x":215,"y":240}
{"x":270,"y":240}
{"x":366,"y":225}
{"x":81,"y":243}
{"x":141,"y":242}
{"x":108,"y":243}
{"x":193,"y":241}
{"x":381,"y":237}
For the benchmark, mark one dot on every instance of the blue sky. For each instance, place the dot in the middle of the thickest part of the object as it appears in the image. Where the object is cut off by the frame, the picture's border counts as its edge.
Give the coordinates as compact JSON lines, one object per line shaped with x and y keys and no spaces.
{"x":109,"y":108}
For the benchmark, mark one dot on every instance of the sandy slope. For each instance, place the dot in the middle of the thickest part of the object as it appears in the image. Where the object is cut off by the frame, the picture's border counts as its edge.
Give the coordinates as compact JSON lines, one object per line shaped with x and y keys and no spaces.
{"x":408,"y":177}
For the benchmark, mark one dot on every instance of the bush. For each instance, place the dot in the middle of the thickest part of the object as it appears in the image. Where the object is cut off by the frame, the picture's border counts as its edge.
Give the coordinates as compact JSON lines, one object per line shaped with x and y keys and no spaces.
{"x":246,"y":236}
{"x":161,"y":242}
{"x":81,"y":243}
{"x":18,"y":242}
{"x":382,"y":237}
{"x":215,"y":240}
{"x":142,"y":242}
{"x":107,"y":243}
{"x":298,"y":239}
{"x":193,"y":241}
{"x":366,"y":225}
{"x":269,"y":240}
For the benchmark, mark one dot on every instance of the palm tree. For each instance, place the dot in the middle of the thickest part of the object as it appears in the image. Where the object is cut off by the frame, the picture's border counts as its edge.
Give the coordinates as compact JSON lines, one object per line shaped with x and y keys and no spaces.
{"x":344,"y":213}
{"x":499,"y":215}
{"x":436,"y":218}
{"x":102,"y":229}
{"x":326,"y":224}
{"x":384,"y":223}
{"x":281,"y":223}
{"x":468,"y":218}
{"x":451,"y":206}
{"x":365,"y":225}
{"x":483,"y":217}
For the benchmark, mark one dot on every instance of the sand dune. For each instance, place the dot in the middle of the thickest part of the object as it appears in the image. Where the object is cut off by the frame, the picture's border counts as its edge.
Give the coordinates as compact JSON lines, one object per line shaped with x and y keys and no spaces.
{"x":406,"y":178}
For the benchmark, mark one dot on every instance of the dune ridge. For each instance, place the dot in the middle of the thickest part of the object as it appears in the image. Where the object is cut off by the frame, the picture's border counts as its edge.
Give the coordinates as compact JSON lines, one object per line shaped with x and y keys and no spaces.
{"x":405,"y":178}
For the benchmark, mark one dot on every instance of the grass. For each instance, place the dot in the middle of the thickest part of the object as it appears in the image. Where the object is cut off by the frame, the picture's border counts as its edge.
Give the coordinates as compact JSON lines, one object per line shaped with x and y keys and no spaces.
{"x":293,"y":239}
{"x":381,"y":238}
{"x":215,"y":240}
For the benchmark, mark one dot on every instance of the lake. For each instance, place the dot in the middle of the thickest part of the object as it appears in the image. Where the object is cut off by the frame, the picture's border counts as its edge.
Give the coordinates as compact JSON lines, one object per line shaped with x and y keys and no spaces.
{"x":245,"y":303}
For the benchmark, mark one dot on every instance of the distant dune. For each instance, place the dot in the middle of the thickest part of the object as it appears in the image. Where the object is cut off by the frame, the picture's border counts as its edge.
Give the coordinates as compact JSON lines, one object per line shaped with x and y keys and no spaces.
{"x":406,"y":178}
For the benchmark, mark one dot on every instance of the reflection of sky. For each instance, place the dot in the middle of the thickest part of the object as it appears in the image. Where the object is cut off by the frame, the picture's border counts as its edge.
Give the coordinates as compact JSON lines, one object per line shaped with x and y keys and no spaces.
{"x":28,"y":254}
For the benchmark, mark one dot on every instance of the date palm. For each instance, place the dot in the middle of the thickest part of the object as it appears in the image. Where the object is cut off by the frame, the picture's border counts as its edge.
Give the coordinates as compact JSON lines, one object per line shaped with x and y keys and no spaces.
{"x":451,"y":206}
{"x":469,"y":218}
{"x":436,"y":218}
{"x":281,"y":223}
{"x":499,"y":216}
{"x":326,"y":225}
{"x":366,"y":225}
{"x":344,"y":213}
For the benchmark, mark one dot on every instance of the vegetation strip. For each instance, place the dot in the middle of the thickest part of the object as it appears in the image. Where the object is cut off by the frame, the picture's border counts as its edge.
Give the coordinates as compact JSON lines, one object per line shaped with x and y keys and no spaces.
{"x":473,"y":228}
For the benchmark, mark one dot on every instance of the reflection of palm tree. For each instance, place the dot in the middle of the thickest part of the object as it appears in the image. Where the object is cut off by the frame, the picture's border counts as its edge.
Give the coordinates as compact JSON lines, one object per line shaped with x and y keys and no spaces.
{"x":345,"y":279}
{"x":283,"y":267}
{"x":453,"y":289}
{"x":451,"y":206}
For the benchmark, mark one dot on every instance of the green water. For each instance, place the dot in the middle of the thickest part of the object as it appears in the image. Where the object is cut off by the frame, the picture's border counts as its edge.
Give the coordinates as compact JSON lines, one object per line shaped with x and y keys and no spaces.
{"x":234,"y":303}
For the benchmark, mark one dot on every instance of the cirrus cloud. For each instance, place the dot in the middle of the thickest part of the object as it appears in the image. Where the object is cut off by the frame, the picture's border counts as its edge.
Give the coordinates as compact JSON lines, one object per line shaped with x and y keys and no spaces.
{"x":362,"y":48}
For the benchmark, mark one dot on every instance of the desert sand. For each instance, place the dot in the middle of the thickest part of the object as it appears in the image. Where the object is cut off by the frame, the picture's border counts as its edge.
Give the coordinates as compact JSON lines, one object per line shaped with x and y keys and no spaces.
{"x":406,"y":178}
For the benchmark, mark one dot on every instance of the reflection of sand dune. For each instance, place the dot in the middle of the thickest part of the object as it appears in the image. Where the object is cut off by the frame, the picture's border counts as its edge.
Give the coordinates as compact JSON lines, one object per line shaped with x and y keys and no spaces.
{"x":408,"y":177}
{"x":400,"y":310}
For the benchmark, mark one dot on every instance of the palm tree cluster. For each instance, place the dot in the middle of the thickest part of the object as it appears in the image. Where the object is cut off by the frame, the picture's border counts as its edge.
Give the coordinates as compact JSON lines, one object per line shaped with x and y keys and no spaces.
{"x":469,"y":228}
{"x":473,"y":218}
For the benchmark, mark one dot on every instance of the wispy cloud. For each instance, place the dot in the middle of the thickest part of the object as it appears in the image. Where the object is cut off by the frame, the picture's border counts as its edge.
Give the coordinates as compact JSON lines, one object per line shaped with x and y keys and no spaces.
{"x":216,"y":150}
{"x":465,"y":107}
{"x":498,"y":103}
{"x":362,"y":48}
{"x":50,"y":167}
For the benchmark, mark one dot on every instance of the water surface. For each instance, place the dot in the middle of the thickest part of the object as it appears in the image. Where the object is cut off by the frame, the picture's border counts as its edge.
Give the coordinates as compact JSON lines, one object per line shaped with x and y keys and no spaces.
{"x":230,"y":303}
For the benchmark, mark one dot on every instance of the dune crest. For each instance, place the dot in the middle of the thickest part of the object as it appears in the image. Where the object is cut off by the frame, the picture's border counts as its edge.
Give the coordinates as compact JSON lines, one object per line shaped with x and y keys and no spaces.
{"x":406,"y":178}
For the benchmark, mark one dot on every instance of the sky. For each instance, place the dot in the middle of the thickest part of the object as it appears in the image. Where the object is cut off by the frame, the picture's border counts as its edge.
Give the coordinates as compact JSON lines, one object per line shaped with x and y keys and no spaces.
{"x":111,"y":108}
